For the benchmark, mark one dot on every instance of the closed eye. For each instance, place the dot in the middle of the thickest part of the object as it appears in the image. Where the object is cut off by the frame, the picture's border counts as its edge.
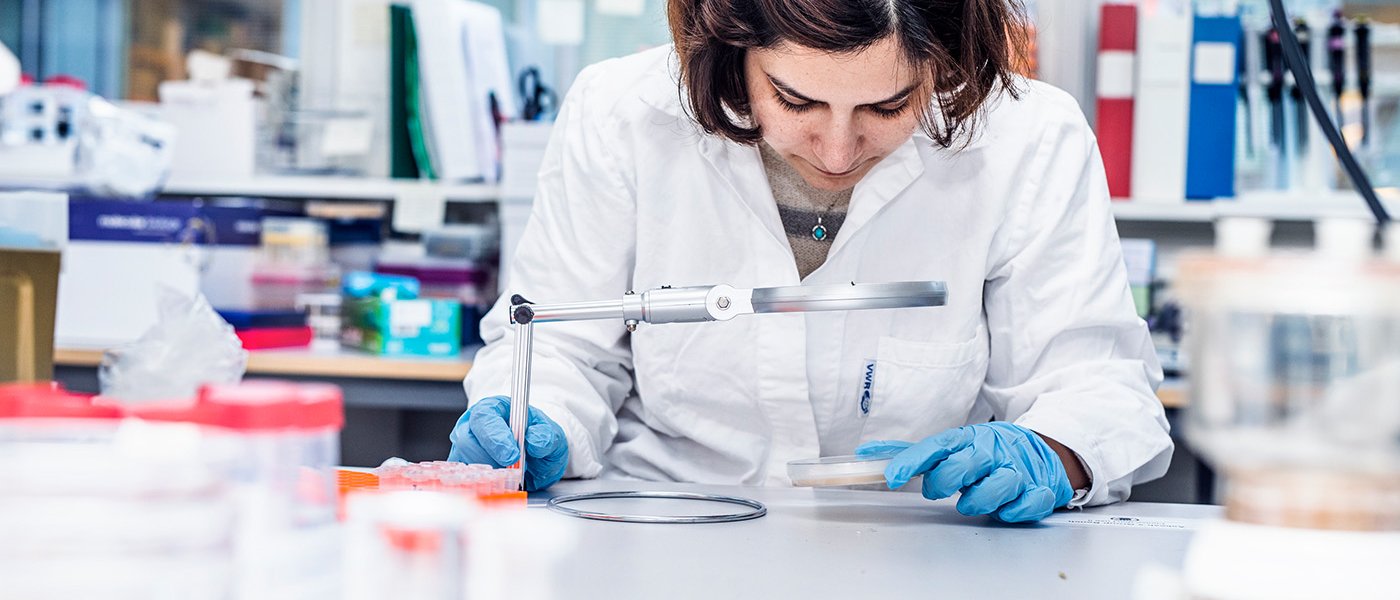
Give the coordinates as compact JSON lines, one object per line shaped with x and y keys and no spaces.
{"x":797,"y":107}
{"x":886,"y":111}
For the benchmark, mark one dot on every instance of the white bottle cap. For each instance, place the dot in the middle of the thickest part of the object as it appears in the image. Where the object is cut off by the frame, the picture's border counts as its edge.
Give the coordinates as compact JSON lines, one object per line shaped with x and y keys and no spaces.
{"x":1242,"y":237}
{"x":1344,"y":238}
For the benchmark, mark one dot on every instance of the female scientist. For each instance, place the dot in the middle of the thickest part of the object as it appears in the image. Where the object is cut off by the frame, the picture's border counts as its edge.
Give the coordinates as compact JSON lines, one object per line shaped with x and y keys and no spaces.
{"x":787,"y":142}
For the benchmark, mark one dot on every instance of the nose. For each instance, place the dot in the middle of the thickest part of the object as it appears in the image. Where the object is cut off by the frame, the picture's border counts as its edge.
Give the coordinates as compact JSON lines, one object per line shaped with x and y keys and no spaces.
{"x":838,"y":147}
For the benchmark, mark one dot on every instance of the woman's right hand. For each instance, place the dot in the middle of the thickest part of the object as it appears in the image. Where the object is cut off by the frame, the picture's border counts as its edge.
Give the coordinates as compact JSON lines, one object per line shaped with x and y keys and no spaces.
{"x":483,"y":436}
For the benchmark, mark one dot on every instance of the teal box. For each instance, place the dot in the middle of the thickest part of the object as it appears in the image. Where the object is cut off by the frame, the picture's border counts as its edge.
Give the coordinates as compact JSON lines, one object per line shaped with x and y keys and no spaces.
{"x":420,"y":327}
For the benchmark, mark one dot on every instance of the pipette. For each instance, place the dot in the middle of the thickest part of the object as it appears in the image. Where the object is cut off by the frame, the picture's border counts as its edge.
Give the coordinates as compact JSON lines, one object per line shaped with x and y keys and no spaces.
{"x":1300,"y":110}
{"x":1363,"y":74}
{"x":1337,"y":61}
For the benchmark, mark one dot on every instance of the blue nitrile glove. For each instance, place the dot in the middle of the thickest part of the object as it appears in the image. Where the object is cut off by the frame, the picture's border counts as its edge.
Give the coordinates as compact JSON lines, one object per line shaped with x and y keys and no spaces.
{"x":482,"y":435}
{"x":1003,"y":470}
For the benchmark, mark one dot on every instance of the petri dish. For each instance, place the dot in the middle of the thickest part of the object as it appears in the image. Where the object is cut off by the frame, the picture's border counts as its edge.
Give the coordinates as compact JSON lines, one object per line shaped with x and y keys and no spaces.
{"x":830,"y":471}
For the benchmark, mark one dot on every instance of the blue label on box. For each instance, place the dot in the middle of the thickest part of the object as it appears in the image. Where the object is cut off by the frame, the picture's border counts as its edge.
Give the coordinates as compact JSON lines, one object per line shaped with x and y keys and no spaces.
{"x":235,"y":226}
{"x":116,"y":221}
{"x":167,"y":221}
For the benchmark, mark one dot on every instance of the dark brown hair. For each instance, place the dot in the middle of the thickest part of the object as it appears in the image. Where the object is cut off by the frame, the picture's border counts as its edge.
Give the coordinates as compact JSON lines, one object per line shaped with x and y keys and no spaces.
{"x":969,"y":48}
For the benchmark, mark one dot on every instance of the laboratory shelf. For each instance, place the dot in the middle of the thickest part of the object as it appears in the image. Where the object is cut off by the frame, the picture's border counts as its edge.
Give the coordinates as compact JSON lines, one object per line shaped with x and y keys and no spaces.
{"x":329,"y":188}
{"x":1139,"y":210}
{"x":1278,"y":206}
{"x":1174,"y":392}
{"x":321,"y":363}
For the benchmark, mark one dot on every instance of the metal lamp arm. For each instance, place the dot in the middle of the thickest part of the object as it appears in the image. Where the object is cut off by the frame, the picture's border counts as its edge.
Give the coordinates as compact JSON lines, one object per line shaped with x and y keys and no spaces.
{"x":695,"y":305}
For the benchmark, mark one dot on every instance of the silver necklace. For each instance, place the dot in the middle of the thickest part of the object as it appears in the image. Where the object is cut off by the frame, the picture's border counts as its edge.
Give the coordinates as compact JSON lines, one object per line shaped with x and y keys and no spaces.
{"x":819,"y":231}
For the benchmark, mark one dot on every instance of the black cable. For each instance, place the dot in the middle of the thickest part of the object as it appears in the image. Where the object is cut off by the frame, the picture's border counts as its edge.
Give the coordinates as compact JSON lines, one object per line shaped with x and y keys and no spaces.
{"x":1293,"y":55}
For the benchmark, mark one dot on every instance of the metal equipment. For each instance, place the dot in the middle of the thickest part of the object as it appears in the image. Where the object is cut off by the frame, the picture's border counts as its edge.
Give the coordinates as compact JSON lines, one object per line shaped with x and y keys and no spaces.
{"x":696,"y":305}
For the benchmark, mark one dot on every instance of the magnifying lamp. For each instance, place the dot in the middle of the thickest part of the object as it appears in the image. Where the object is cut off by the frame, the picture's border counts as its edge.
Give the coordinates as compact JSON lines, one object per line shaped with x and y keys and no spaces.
{"x":697,"y":305}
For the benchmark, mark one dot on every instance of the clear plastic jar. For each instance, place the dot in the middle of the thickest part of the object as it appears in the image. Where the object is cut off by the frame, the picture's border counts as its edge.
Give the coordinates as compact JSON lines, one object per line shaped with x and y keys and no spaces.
{"x":276,"y":444}
{"x":131,"y":506}
{"x":1295,"y":379}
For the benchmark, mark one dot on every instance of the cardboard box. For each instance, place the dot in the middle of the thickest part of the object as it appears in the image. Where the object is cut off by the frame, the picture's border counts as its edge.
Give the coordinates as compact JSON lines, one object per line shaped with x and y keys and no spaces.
{"x":120,"y":253}
{"x":421,"y":327}
{"x":28,"y":295}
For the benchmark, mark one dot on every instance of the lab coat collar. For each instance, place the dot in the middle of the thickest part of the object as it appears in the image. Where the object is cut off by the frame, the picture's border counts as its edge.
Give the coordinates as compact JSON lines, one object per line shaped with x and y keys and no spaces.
{"x":741,"y":167}
{"x":737,"y":165}
{"x":879,"y":187}
{"x":665,"y":96}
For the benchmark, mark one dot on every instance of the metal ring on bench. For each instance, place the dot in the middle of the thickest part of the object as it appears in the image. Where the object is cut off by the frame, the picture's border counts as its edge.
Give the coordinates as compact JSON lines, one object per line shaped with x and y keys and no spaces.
{"x":757,"y":508}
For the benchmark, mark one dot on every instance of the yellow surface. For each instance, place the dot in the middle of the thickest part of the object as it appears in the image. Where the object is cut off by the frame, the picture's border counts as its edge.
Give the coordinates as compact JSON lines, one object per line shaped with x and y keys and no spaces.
{"x":317,"y":363}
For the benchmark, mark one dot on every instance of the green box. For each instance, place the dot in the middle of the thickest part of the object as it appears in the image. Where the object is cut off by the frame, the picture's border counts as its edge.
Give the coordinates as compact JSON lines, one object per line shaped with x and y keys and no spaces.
{"x":421,"y":327}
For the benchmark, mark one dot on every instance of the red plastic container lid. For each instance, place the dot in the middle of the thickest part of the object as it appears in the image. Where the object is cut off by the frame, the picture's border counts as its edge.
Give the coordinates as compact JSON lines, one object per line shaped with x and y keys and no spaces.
{"x":249,"y":406}
{"x":271,"y":405}
{"x":50,"y":401}
{"x":66,"y":81}
{"x":252,"y":405}
{"x":322,"y":405}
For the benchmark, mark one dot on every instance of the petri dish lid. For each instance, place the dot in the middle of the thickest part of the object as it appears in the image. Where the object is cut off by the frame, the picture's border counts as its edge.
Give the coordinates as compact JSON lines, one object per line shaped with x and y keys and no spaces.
{"x":839,"y":470}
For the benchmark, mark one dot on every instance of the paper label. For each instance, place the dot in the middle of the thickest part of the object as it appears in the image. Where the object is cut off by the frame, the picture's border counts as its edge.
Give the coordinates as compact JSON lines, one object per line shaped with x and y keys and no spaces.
{"x":1088,"y":520}
{"x":347,"y":137}
{"x":371,"y":23}
{"x":408,"y":317}
{"x":1116,"y":79}
{"x":1213,"y":63}
{"x":1140,"y":259}
{"x":560,"y":22}
{"x":419,"y":208}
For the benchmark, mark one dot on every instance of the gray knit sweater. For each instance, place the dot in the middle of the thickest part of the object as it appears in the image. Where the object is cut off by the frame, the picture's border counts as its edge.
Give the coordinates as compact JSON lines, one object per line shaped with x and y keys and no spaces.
{"x":799,"y":205}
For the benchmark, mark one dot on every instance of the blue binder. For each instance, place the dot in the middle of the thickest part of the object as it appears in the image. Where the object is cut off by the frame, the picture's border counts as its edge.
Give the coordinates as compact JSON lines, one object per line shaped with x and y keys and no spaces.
{"x":1210,"y":146}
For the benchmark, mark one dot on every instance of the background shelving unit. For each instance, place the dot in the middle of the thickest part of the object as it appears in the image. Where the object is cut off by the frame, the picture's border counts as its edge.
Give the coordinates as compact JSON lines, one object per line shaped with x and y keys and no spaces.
{"x":329,"y":188}
{"x":1276,"y":206}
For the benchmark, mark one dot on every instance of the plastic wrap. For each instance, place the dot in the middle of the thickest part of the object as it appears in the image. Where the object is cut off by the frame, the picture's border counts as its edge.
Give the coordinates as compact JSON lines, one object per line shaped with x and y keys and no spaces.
{"x":189,"y":346}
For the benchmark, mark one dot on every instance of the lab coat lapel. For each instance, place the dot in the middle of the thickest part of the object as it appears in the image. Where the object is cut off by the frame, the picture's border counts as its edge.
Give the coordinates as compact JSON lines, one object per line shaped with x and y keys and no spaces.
{"x":741,"y":168}
{"x":781,"y":387}
{"x":881,"y":185}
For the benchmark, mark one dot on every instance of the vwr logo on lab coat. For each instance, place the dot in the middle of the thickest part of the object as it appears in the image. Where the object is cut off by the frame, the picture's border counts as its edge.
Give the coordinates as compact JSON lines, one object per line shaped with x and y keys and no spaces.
{"x":867,"y":387}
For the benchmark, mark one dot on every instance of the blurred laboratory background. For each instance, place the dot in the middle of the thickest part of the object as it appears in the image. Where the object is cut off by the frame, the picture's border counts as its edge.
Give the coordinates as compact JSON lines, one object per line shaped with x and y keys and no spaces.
{"x":343,"y":179}
{"x":246,"y":247}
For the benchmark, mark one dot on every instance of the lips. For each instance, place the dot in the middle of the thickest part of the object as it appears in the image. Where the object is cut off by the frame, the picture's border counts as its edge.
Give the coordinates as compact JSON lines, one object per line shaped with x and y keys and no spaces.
{"x":841,"y":174}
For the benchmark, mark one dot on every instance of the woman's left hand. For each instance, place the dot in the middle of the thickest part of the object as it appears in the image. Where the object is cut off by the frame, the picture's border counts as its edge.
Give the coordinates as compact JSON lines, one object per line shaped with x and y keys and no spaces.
{"x":1003,"y":470}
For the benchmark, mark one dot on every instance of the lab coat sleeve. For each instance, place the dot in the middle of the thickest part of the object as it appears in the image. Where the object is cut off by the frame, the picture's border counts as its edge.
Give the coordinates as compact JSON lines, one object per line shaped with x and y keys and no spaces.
{"x":578,"y":246}
{"x":1070,"y":359}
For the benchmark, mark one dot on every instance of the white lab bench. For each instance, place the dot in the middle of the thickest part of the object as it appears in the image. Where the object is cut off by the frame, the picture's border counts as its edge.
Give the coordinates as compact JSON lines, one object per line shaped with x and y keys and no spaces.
{"x":837,"y":543}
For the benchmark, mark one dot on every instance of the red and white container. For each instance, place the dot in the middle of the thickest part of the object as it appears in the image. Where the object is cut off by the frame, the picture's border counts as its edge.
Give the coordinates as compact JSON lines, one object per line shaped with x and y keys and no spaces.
{"x":93,"y":504}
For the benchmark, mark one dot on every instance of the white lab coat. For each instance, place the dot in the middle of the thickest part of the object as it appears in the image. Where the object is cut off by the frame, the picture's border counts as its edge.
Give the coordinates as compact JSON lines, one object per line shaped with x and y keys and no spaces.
{"x":1039,"y":328}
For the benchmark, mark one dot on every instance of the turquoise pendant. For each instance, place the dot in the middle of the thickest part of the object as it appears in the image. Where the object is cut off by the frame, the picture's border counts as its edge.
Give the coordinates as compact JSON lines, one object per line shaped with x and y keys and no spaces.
{"x":819,"y":232}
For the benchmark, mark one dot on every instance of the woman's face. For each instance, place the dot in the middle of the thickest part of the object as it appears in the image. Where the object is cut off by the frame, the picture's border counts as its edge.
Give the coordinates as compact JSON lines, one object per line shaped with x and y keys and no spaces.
{"x":833,"y":116}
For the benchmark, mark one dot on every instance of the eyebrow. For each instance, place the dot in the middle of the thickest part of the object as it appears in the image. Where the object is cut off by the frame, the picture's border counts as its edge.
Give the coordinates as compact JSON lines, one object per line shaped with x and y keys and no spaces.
{"x":787,"y":89}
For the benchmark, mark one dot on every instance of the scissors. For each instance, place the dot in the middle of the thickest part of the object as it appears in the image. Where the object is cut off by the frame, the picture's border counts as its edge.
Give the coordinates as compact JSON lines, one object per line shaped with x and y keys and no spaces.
{"x":539,"y":99}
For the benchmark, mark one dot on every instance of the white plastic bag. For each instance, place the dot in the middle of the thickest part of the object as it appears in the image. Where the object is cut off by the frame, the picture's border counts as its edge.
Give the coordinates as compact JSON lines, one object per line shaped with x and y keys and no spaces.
{"x":190,"y":345}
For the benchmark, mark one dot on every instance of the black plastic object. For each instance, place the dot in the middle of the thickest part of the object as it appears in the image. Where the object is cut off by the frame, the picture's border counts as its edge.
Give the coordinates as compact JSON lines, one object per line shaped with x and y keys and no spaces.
{"x":522,"y":313}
